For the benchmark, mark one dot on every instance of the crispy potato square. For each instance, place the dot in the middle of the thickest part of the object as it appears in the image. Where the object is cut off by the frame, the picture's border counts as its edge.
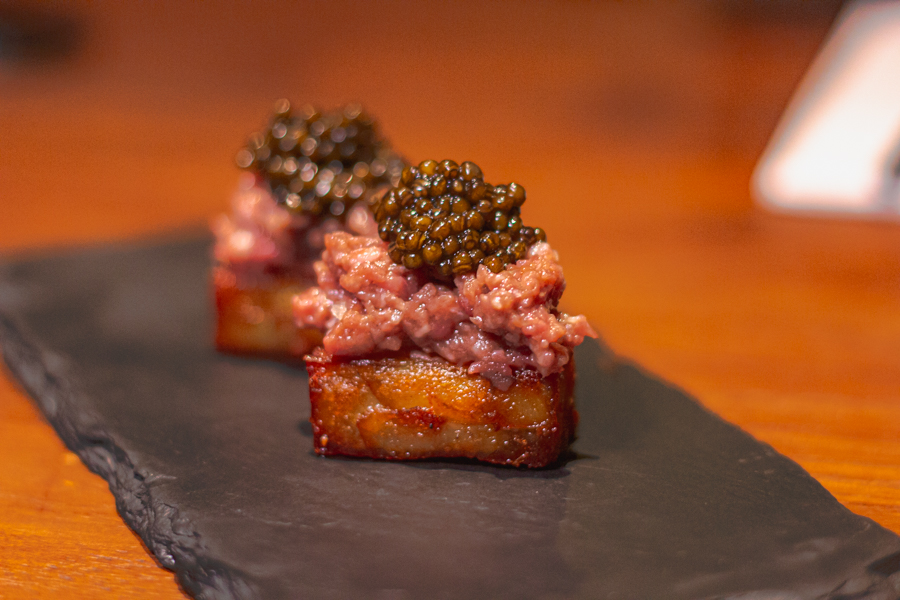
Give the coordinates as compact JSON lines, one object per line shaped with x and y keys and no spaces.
{"x":402,"y":407}
{"x":257,"y":319}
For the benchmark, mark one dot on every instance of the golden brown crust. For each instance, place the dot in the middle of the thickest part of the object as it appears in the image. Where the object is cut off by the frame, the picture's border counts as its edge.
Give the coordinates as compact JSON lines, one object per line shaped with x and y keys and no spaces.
{"x":258,"y":320}
{"x":411,"y":408}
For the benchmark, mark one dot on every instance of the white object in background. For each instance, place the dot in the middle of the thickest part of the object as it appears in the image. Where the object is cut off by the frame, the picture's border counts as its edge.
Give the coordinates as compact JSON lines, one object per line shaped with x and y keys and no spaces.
{"x":837,"y":147}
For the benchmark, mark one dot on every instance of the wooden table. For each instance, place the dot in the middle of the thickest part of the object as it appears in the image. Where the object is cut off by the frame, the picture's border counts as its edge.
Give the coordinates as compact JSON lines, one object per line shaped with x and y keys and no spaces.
{"x":634,"y":130}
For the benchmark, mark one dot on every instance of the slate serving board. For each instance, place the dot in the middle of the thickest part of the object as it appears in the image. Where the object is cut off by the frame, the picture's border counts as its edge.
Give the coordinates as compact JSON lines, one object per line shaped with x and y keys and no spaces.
{"x":210,"y":460}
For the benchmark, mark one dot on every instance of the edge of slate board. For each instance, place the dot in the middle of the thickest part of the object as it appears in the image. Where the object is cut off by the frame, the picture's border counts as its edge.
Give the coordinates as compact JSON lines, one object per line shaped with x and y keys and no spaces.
{"x":171,"y":537}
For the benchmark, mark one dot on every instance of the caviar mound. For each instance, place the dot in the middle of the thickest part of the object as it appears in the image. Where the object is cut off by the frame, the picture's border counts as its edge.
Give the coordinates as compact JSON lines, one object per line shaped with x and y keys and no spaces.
{"x":444,"y":218}
{"x":321,"y":163}
{"x":404,"y":408}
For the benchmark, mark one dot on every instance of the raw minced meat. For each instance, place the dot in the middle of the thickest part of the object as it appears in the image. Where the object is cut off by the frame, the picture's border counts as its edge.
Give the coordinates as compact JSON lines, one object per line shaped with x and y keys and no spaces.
{"x":492,"y":322}
{"x":259,"y":235}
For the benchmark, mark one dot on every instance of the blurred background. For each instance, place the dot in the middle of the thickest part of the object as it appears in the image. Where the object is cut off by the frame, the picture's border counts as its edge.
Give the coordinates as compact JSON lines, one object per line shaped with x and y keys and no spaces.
{"x":634,"y":127}
{"x":613,"y":108}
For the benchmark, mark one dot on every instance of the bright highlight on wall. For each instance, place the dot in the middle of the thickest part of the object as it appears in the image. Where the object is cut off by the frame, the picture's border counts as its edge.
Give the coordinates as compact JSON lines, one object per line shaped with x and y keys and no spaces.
{"x":837,"y":147}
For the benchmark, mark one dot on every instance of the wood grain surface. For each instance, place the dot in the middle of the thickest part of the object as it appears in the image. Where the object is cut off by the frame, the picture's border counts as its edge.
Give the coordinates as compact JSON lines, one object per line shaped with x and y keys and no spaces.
{"x":633,"y":128}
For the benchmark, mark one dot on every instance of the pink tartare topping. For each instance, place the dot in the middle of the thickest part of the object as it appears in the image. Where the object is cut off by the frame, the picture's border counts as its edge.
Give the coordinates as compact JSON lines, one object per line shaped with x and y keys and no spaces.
{"x":259,"y":234}
{"x":492,"y":322}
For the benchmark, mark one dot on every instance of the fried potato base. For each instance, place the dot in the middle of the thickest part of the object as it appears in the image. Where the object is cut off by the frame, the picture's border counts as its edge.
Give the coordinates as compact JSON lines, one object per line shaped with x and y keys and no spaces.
{"x":412,"y":408}
{"x":258,"y":320}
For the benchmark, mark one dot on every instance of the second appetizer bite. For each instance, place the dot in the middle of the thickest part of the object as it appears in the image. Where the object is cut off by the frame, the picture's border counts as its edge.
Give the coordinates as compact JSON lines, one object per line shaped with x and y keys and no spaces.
{"x":443,"y":338}
{"x":306,"y":175}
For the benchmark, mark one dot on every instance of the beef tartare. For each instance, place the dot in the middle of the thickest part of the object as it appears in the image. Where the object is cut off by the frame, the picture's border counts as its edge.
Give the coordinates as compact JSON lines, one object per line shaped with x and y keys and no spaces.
{"x":442,"y":337}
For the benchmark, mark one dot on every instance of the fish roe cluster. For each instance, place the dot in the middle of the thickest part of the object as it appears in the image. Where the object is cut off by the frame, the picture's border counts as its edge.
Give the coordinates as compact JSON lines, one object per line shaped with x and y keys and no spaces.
{"x":321,"y":163}
{"x":444,"y":218}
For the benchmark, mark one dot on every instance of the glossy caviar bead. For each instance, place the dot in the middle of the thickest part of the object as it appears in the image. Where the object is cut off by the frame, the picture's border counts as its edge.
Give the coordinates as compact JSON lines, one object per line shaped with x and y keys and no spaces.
{"x":470,"y":171}
{"x":321,"y":163}
{"x":489,"y":241}
{"x":527,"y":235}
{"x":443,"y":217}
{"x":457,"y":222}
{"x":422,"y":205}
{"x":517,"y":193}
{"x":406,"y":198}
{"x":438,"y":186}
{"x":462,"y":263}
{"x":476,"y":190}
{"x":439,"y":230}
{"x":451,"y":246}
{"x":432,"y":253}
{"x":494,"y":263}
{"x":460,"y":205}
{"x":457,"y":186}
{"x":412,"y":260}
{"x":421,"y":223}
{"x":484,"y":207}
{"x":391,"y":207}
{"x":441,"y":205}
{"x":468,"y":239}
{"x":403,"y":241}
{"x":474,"y":220}
{"x":518,"y":249}
{"x":502,"y":202}
{"x":448,"y":168}
{"x":428,"y":167}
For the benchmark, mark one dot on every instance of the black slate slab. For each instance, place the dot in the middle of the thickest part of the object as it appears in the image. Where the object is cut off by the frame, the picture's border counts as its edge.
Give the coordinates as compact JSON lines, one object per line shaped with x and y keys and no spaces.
{"x":210,"y":460}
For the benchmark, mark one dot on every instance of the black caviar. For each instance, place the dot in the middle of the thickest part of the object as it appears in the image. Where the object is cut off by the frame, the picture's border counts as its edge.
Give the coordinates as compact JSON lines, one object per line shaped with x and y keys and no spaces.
{"x":443,"y":217}
{"x":321,"y":163}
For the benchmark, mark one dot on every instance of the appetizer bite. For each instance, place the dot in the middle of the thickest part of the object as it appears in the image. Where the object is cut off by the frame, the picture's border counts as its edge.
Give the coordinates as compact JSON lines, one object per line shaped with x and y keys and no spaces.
{"x":442,"y":338}
{"x":307,"y":174}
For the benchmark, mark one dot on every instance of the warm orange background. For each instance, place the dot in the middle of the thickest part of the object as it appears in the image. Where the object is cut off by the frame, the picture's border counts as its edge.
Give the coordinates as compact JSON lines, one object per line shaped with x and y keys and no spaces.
{"x":633,"y":128}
